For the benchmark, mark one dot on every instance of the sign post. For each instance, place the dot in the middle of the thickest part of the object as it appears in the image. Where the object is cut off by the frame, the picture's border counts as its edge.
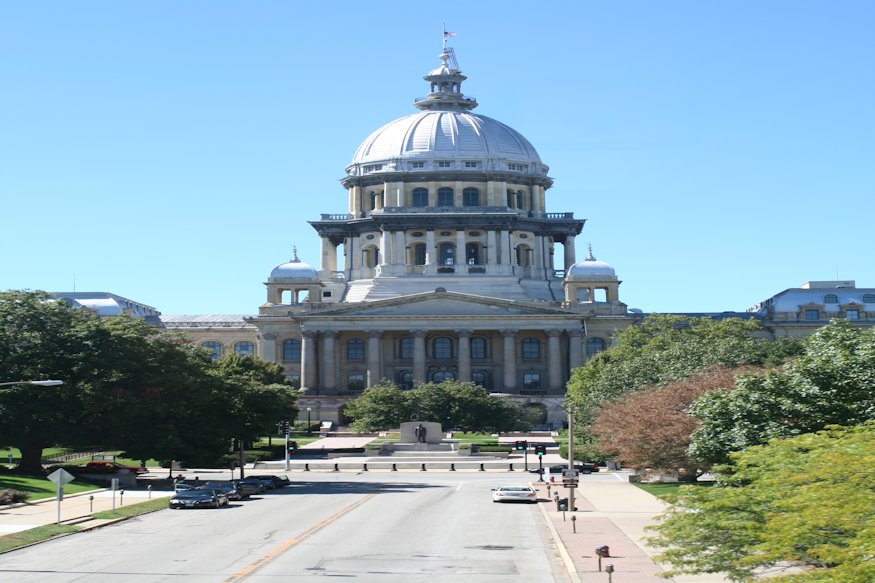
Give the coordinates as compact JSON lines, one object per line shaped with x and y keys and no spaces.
{"x":60,"y":477}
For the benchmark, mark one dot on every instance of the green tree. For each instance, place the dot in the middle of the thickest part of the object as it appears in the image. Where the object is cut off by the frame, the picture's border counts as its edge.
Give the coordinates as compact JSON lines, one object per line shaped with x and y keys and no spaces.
{"x":831,"y":382}
{"x":665,"y":348}
{"x":381,"y":407}
{"x":453,"y":404}
{"x":805,"y":502}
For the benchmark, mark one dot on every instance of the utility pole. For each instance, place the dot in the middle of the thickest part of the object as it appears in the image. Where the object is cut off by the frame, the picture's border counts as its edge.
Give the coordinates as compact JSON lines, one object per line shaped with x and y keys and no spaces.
{"x":571,"y":457}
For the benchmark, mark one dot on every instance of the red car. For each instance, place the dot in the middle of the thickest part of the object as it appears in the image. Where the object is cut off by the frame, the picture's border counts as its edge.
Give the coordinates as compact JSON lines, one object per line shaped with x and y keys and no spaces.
{"x":112,"y":467}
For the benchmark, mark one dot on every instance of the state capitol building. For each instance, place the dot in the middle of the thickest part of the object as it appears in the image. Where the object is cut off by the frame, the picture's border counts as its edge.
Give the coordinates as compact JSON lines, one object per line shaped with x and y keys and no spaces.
{"x":445,"y":267}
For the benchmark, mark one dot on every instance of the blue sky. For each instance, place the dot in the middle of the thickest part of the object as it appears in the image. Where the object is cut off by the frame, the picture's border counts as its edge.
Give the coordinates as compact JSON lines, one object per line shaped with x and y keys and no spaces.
{"x":172,"y":152}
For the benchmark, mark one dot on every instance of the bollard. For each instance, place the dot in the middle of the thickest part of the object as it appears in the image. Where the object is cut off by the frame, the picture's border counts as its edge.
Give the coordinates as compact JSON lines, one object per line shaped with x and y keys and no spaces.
{"x":574,"y":524}
{"x":423,"y":468}
{"x":91,"y":504}
{"x":510,"y":468}
{"x":609,"y":569}
{"x":149,"y":489}
{"x":482,"y":469}
{"x":394,"y":468}
{"x":452,"y":467}
{"x":306,"y":467}
{"x":365,"y":467}
{"x":121,"y":499}
{"x":336,"y":469}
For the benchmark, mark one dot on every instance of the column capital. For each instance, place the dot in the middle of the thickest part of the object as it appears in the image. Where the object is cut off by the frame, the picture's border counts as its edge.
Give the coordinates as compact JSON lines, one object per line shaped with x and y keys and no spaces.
{"x":553,"y":332}
{"x":464,"y":333}
{"x":268,"y":337}
{"x":309,"y":334}
{"x":330,"y":333}
{"x":575,"y":332}
{"x":419,"y":333}
{"x":509,"y":332}
{"x":374,"y":333}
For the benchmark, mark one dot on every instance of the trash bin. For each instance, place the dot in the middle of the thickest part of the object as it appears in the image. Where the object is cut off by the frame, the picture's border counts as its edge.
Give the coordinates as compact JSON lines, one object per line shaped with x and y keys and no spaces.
{"x":561,"y":504}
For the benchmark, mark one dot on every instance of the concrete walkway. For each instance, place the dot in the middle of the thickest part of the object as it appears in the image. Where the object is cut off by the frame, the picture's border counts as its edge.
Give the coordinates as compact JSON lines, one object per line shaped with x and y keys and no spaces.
{"x":612,"y":513}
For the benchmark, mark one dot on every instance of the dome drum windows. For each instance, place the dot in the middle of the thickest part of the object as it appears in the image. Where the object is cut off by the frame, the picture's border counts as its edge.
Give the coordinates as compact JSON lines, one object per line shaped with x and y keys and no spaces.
{"x":470,"y":197}
{"x":419,"y":197}
{"x":445,"y":197}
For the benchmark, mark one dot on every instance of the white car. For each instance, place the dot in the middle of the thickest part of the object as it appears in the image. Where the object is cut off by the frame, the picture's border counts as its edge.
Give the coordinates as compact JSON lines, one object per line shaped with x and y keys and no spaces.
{"x":514,"y":494}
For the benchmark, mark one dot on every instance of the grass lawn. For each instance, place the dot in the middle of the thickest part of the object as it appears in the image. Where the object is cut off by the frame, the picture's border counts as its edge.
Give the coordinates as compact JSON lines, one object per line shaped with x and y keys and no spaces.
{"x":33,"y":535}
{"x":660,"y":490}
{"x":40,"y":487}
{"x":134,"y":509}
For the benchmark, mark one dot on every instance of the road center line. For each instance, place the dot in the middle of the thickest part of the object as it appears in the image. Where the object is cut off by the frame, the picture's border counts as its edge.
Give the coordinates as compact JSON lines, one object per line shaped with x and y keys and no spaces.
{"x":269,"y":557}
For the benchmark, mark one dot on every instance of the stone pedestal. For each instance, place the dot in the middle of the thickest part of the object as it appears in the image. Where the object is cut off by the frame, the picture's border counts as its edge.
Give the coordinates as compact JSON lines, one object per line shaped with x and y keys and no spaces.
{"x":433,"y":432}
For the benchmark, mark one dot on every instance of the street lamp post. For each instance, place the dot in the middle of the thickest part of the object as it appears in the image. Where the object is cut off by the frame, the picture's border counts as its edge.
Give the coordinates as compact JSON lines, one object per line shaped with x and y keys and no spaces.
{"x":308,"y":420}
{"x":571,"y":457}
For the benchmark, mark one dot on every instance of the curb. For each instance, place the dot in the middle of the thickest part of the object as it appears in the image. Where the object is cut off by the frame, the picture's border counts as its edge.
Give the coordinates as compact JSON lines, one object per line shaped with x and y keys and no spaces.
{"x":563,"y":552}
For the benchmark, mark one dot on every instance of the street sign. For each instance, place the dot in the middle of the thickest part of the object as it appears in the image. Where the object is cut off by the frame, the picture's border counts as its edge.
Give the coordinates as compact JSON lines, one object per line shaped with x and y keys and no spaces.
{"x":569,"y":477}
{"x":61,"y":477}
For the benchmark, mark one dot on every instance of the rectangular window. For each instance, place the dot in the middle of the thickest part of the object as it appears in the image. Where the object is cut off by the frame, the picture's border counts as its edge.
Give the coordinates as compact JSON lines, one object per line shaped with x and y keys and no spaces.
{"x":444,"y":164}
{"x":373,"y":167}
{"x":811,"y":315}
{"x":852,"y":314}
{"x":355,"y":349}
{"x":531,"y":349}
{"x":417,"y":164}
{"x":532,"y":381}
{"x":355,"y":382}
{"x":469,"y":164}
{"x":295,"y":379}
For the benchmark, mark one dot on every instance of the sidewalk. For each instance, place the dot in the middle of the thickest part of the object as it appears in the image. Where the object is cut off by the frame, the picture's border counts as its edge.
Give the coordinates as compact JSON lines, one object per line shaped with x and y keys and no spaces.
{"x":26,"y":515}
{"x":612,"y":513}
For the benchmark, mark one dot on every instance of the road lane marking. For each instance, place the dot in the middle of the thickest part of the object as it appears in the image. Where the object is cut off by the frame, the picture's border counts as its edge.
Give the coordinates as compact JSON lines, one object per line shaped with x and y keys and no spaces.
{"x":270,"y":556}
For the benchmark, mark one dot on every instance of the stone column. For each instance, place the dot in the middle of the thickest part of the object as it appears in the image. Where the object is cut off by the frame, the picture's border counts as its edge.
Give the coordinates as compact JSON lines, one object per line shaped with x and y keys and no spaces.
{"x":374,"y":339}
{"x":491,"y":248}
{"x":430,"y":254}
{"x":327,"y":250}
{"x":419,"y":356}
{"x":569,"y":252}
{"x":505,"y":248}
{"x":309,"y":366}
{"x":329,"y":360}
{"x":464,"y":354}
{"x":460,"y":249}
{"x":555,"y":374}
{"x":400,"y":249}
{"x":385,"y":248}
{"x":575,"y":349}
{"x":267,"y":347}
{"x":509,"y":359}
{"x":355,"y":206}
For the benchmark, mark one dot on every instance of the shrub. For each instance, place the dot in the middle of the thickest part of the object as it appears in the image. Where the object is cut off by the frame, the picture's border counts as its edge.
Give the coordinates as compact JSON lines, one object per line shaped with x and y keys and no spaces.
{"x":10,"y":496}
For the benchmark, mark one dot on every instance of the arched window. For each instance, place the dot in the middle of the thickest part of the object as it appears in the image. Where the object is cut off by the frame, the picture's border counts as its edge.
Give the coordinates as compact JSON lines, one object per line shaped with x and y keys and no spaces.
{"x":440,"y":376}
{"x":531,"y":349}
{"x":405,"y":348}
{"x":830,"y":299}
{"x":523,"y":255}
{"x":292,"y":349}
{"x":419,"y":254}
{"x":244,"y":348}
{"x":405,"y":380}
{"x":442,"y":347}
{"x":594,"y":346}
{"x":519,"y":199}
{"x":472,"y":254}
{"x":445,"y":197}
{"x":478,"y":348}
{"x":470,"y":197}
{"x":420,"y":197}
{"x":511,"y":199}
{"x":215,"y":348}
{"x":869,"y":298}
{"x":446,"y":254}
{"x":355,"y":349}
{"x":481,"y":378}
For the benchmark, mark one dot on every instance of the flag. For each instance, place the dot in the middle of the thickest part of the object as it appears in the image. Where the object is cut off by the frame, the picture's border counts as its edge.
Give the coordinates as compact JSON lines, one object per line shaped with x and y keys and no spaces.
{"x":449,"y":34}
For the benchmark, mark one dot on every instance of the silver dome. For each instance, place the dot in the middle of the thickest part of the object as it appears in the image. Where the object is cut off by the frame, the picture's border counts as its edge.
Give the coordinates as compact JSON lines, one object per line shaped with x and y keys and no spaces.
{"x":591,"y":267}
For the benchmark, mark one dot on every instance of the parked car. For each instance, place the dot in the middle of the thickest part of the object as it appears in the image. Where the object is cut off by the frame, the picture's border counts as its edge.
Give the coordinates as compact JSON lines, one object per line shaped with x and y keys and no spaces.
{"x":251,"y":485}
{"x":583,"y":468}
{"x":105,"y":467}
{"x":275,"y":481}
{"x":514,"y":494}
{"x":266,"y":481}
{"x":182,"y":486}
{"x":198,"y":498}
{"x":227,"y":488}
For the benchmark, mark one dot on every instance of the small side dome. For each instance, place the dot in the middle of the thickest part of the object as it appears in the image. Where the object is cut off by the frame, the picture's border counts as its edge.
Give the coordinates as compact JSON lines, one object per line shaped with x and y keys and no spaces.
{"x":295,"y":269}
{"x":591,"y":267}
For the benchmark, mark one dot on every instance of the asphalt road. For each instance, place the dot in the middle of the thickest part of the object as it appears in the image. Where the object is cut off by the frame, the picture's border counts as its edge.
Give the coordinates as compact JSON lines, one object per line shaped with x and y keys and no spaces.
{"x":407,"y":527}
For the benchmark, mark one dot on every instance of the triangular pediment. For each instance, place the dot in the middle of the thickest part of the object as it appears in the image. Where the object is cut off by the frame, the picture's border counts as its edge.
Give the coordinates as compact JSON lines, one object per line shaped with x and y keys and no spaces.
{"x":442,"y":304}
